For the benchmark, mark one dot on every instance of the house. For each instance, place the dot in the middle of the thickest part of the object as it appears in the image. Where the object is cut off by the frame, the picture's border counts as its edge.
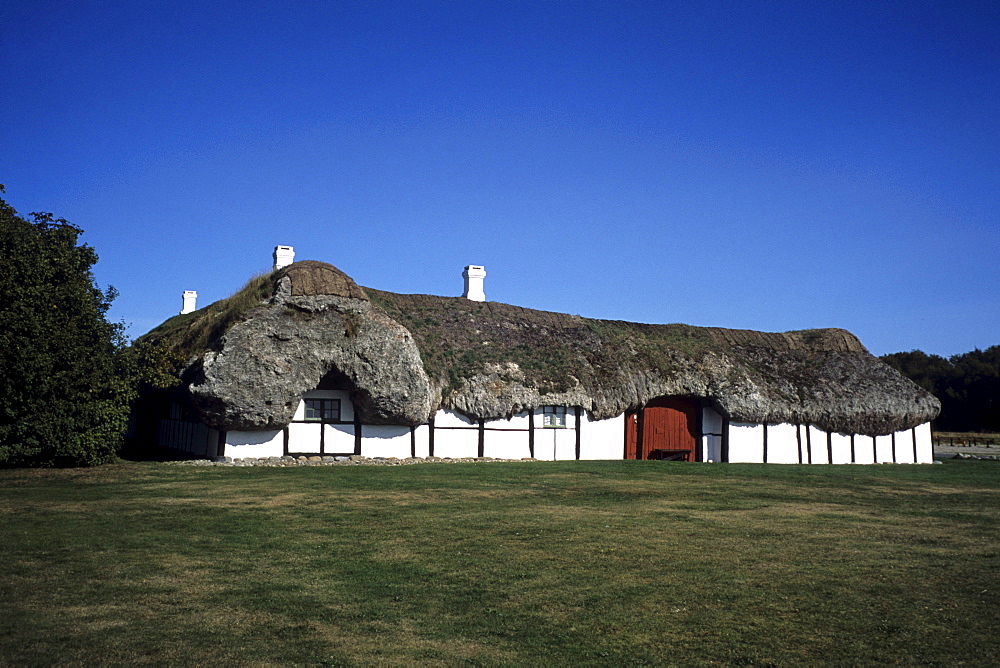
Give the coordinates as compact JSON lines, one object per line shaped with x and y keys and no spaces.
{"x":303,"y":361}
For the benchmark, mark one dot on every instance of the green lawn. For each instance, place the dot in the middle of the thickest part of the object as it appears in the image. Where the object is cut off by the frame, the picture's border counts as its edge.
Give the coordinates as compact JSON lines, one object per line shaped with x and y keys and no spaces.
{"x":489,"y":563}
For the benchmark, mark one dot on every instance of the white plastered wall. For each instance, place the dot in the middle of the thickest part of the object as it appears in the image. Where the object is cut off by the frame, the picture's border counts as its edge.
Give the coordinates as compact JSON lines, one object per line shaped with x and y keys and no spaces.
{"x":867,"y":449}
{"x":864,"y":449}
{"x":304,"y":437}
{"x":602,"y":439}
{"x":555,"y":444}
{"x":385,"y":441}
{"x":802,"y":443}
{"x":883,"y":449}
{"x":455,"y":435}
{"x":925,"y":446}
{"x":505,"y":444}
{"x":421,"y":437}
{"x":782,"y":444}
{"x":338,"y":439}
{"x":746,"y":442}
{"x":816,"y":443}
{"x":245,"y":444}
{"x":840,"y":445}
{"x":904,"y":446}
{"x":507,"y":439}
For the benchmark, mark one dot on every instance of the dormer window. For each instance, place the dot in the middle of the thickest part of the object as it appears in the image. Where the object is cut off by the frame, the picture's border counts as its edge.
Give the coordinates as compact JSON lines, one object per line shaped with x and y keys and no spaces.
{"x":322,"y":410}
{"x":554,"y":417}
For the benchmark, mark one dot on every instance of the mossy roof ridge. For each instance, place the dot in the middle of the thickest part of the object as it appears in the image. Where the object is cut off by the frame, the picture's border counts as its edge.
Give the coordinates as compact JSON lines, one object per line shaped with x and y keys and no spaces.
{"x":311,"y":278}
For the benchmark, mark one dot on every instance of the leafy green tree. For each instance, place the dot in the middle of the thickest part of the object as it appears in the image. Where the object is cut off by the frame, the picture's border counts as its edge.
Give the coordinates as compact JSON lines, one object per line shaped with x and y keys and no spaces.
{"x":65,"y":377}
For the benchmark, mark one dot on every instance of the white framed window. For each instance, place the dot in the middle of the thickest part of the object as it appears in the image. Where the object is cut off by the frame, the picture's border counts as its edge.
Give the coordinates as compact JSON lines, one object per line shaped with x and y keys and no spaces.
{"x":322,"y":410}
{"x":554,"y":417}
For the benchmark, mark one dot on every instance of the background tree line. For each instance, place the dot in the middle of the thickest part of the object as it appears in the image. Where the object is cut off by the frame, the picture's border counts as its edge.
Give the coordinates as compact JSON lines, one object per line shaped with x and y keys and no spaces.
{"x":968,"y":386}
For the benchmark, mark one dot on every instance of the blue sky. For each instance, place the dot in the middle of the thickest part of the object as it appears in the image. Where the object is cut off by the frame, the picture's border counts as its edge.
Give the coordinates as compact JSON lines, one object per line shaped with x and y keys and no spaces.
{"x":763,"y":165}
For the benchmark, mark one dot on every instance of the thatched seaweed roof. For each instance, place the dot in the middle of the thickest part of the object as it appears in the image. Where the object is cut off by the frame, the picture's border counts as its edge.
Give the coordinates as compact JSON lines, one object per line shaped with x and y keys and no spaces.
{"x":405,"y":356}
{"x":310,"y":278}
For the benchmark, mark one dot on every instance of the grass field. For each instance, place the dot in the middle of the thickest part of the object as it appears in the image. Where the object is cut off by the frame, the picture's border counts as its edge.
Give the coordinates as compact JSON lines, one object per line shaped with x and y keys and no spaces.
{"x":517,"y":563}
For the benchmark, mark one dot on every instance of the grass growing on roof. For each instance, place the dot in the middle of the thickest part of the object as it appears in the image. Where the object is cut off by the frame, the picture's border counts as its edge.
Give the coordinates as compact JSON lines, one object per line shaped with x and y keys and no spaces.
{"x":459,"y":338}
{"x":524,"y":563}
{"x":192,"y":333}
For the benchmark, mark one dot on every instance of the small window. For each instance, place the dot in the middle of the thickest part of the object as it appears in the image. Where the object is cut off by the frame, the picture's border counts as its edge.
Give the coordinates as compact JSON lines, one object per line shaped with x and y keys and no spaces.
{"x":323,"y":410}
{"x":554,"y":417}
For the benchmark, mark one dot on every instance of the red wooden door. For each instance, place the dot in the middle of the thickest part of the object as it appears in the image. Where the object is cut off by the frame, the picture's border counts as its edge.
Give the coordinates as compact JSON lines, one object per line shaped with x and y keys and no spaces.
{"x":631,"y":433}
{"x":670,"y":424}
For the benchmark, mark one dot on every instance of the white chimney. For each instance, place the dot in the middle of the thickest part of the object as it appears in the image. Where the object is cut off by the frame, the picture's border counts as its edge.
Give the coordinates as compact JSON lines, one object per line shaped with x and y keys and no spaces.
{"x":283,"y":256}
{"x":474,"y":276}
{"x":190,"y":298}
